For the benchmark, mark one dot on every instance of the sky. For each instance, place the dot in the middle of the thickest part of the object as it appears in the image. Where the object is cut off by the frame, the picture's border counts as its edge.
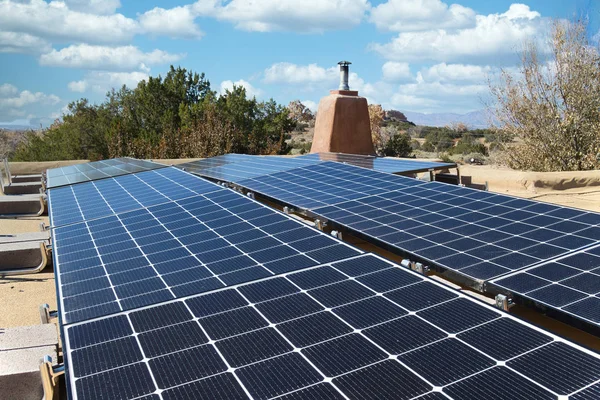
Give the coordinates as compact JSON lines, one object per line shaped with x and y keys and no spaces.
{"x":425,"y":56}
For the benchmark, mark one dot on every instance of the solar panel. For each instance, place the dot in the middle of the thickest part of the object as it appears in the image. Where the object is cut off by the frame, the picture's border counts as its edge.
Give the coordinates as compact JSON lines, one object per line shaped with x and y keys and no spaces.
{"x":479,"y":235}
{"x":569,"y":284}
{"x":97,"y":170}
{"x":89,"y":200}
{"x":350,"y":329}
{"x":233,"y":167}
{"x":236,"y":167}
{"x":383,"y":164}
{"x":325,"y":184}
{"x":183,"y":246}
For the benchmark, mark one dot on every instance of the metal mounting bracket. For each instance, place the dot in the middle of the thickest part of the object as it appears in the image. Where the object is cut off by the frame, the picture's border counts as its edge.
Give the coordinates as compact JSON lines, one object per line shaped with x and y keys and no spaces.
{"x":336,"y":234}
{"x":7,"y":170}
{"x":504,"y":302}
{"x":50,"y":374}
{"x":46,"y":316}
{"x":320,"y":224}
{"x":420,"y":268}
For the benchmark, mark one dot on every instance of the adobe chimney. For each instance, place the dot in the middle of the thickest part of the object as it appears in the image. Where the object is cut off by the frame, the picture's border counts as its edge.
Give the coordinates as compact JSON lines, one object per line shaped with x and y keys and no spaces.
{"x":343,"y":124}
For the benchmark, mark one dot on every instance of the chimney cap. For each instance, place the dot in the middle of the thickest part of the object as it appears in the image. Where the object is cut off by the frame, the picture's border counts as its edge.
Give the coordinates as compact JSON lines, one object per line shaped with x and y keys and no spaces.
{"x":344,"y":63}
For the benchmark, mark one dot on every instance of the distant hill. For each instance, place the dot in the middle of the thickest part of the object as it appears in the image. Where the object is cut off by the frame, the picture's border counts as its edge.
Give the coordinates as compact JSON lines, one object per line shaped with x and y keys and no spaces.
{"x":10,"y":127}
{"x":474,"y":120}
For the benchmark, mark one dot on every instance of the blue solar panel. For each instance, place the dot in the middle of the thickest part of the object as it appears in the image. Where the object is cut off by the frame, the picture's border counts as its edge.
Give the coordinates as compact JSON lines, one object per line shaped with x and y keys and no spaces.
{"x":326,"y":183}
{"x":234,"y":167}
{"x":237,"y":167}
{"x":570,"y":284}
{"x":382,"y":164}
{"x":188,"y":245}
{"x":480,"y":235}
{"x":329,"y":332}
{"x":85,"y":201}
{"x":97,"y":170}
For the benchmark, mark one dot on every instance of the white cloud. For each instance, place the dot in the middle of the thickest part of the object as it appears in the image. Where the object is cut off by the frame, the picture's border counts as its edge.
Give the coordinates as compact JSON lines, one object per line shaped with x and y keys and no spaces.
{"x":175,"y":22}
{"x":312,"y":78}
{"x":7,"y":89}
{"x":308,"y":16}
{"x":299,"y":74}
{"x":26,"y":97}
{"x":12,"y":42}
{"x":396,"y":71}
{"x":311,"y":105}
{"x":519,"y":11}
{"x":102,"y":82}
{"x":103,"y":7}
{"x":55,"y":21}
{"x":251,"y":91}
{"x":495,"y":38}
{"x":439,"y":90}
{"x":124,"y":58}
{"x":417,"y":15}
{"x":457,"y":72}
{"x":78,"y":86}
{"x":15,"y":104}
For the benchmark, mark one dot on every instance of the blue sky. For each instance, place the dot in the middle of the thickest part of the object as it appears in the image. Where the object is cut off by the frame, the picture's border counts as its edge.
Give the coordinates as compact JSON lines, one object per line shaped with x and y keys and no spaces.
{"x":411,"y":55}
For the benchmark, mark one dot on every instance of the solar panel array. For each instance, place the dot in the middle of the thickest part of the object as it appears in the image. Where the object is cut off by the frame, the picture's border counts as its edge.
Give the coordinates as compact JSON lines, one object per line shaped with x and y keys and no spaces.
{"x":173,"y":287}
{"x":478,"y":234}
{"x":97,"y":170}
{"x":155,"y":253}
{"x":360,"y":328}
{"x":236,"y":167}
{"x":569,"y":284}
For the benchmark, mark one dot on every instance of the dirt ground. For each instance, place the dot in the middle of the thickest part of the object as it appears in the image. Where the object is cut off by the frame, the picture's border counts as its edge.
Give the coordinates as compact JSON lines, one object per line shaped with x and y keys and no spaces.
{"x":20,"y":296}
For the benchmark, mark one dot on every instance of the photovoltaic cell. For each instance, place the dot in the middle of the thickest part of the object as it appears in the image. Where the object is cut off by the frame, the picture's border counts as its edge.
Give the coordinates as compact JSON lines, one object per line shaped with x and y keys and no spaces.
{"x":568,"y":284}
{"x":186,"y":246}
{"x":97,"y":170}
{"x":244,"y":349}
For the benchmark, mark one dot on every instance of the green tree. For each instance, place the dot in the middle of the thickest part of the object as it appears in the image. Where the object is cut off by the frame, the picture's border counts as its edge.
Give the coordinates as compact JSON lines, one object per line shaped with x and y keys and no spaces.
{"x":399,"y":145}
{"x":438,"y":140}
{"x":175,"y":116}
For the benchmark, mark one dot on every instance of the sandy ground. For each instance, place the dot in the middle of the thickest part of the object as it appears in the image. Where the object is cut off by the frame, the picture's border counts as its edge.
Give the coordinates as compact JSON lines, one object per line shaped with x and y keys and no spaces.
{"x":573,"y":189}
{"x":20,"y":296}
